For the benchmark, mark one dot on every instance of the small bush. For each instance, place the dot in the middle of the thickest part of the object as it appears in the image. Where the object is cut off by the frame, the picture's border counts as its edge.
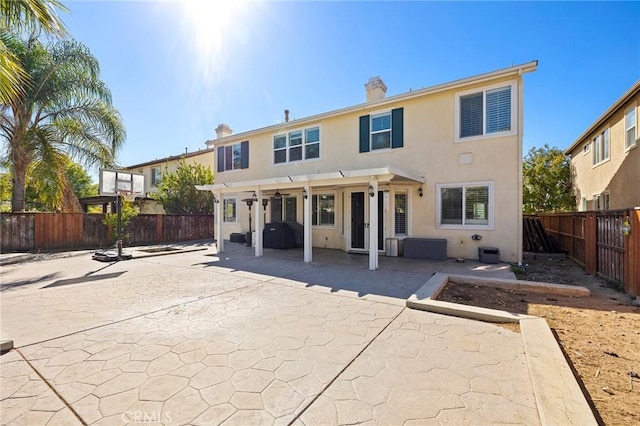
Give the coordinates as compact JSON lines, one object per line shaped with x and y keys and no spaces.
{"x":129,"y":211}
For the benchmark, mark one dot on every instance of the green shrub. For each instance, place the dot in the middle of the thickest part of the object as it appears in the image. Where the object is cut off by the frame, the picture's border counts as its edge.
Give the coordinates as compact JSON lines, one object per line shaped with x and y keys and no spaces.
{"x":129,"y":211}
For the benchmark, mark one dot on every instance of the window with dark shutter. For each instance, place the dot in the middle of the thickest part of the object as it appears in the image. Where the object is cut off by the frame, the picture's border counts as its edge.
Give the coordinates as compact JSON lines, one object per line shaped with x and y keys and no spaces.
{"x":364,"y":133}
{"x":228,"y":157}
{"x":244,"y":153}
{"x":397,"y":128}
{"x":220,"y":159}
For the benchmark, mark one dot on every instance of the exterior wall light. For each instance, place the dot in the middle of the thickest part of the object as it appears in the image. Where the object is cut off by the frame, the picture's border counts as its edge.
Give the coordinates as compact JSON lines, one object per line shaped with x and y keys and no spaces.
{"x":255,"y":197}
{"x":371,"y":193}
{"x":277,"y":195}
{"x":304,"y":194}
{"x":420,"y":193}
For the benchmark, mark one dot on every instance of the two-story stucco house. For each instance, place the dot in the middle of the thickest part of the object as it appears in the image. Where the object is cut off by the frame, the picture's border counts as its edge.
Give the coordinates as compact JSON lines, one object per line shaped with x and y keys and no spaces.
{"x":153,"y":171}
{"x":605,"y":160}
{"x":443,"y":162}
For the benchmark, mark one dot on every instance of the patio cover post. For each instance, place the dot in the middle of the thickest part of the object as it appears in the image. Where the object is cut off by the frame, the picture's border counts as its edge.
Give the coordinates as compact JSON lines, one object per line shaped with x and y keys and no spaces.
{"x":219,"y":206}
{"x":307,"y":224}
{"x":373,"y":226}
{"x":259,"y":224}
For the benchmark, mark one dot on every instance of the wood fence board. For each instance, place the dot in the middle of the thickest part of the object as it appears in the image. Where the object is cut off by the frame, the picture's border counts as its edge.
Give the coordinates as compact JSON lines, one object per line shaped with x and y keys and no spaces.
{"x":596,"y":241}
{"x":53,"y":231}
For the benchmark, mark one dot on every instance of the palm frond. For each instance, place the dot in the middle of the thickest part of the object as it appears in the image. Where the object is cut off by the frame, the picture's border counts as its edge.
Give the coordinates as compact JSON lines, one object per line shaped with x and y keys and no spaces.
{"x":29,"y":15}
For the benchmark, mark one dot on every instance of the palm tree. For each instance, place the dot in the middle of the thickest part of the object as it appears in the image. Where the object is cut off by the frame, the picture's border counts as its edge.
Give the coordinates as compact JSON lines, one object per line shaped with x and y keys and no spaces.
{"x":20,"y":16}
{"x":66,"y":111}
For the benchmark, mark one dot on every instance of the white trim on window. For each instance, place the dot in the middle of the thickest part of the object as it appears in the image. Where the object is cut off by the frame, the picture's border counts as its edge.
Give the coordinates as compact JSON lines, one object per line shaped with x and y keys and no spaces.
{"x":394,"y":226}
{"x":383,"y":130}
{"x":226,"y":216}
{"x":287,"y":148}
{"x":318,"y":214}
{"x":601,"y":148}
{"x":156,"y":176}
{"x":464,"y":186}
{"x":602,"y":201}
{"x":514,"y":121}
{"x":629,"y":126}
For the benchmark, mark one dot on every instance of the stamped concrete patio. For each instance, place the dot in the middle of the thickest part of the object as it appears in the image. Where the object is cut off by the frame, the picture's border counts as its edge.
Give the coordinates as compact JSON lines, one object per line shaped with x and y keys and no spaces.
{"x":201,"y":338}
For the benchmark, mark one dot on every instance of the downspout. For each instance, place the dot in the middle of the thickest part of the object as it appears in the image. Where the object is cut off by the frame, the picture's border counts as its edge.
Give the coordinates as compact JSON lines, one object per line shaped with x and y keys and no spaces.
{"x":520,"y":153}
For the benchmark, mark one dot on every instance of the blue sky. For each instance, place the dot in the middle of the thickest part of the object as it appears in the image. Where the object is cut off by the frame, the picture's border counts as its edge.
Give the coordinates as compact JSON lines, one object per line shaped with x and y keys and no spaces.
{"x":178,"y":69}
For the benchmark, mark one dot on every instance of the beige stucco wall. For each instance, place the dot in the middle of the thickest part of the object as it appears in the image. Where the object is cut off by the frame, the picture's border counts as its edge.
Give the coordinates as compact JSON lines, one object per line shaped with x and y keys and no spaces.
{"x":620,"y":175}
{"x":429,"y":150}
{"x":206,"y":158}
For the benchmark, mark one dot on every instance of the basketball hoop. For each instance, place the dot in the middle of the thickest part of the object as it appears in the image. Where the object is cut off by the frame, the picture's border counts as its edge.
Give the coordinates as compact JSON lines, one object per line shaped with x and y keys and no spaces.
{"x":129,"y":196}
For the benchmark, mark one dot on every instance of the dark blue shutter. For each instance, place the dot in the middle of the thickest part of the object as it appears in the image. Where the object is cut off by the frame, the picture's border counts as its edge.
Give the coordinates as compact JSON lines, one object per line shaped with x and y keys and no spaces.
{"x":397,"y":130}
{"x":244,"y":155}
{"x":364,"y":133}
{"x":221,"y":158}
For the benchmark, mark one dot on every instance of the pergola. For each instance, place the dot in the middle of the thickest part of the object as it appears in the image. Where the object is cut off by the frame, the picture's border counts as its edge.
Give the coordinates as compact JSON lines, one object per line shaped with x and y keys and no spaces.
{"x":307,"y":182}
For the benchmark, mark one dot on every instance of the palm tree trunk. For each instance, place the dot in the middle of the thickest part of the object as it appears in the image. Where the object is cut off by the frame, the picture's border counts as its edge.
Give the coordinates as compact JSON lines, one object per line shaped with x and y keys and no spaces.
{"x":19,"y":179}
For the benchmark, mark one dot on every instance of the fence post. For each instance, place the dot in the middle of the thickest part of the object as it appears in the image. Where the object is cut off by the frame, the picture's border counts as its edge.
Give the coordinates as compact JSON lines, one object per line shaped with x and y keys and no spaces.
{"x":591,"y":243}
{"x":159,"y":235}
{"x":632,"y":254}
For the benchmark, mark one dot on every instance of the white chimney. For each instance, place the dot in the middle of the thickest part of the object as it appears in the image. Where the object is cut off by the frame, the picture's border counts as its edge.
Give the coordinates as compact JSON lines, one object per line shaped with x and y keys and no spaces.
{"x":376,"y":89}
{"x":223,"y":130}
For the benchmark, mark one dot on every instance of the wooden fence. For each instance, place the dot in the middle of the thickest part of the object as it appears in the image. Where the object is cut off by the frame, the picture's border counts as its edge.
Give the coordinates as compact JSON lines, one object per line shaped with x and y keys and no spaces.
{"x":600,"y":243}
{"x":35,"y":232}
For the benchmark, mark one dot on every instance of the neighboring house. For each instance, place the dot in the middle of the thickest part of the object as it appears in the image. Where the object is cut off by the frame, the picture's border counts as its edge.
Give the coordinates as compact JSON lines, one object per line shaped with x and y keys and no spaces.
{"x":153,"y":171}
{"x":605,"y":161}
{"x":440,"y":162}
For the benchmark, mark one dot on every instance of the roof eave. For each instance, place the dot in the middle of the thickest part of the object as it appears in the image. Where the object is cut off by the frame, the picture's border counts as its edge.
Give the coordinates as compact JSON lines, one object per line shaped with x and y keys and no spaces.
{"x":513,"y":70}
{"x":632,"y":91}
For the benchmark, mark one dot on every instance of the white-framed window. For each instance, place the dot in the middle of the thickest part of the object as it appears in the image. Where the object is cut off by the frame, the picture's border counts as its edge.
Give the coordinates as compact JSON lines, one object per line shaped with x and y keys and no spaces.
{"x":601,"y":201}
{"x":233,"y":157}
{"x":601,"y":147}
{"x":156,"y":176}
{"x":284,"y":209}
{"x":230,"y":213}
{"x":400,"y":213}
{"x":312,"y":143}
{"x":297,"y":145}
{"x":381,"y":131}
{"x":583,"y":204}
{"x":630,"y":127}
{"x":465,"y":205}
{"x":485,"y":112}
{"x":324,"y":209}
{"x":604,"y":200}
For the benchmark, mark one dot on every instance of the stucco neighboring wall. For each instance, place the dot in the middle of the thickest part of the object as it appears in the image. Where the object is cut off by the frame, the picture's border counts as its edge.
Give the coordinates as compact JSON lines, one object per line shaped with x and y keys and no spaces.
{"x":170,"y":164}
{"x":429,"y":150}
{"x":619,"y":176}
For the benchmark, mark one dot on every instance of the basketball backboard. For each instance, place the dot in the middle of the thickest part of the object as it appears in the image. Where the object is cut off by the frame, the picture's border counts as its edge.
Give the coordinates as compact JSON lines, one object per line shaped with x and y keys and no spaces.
{"x":113,"y":182}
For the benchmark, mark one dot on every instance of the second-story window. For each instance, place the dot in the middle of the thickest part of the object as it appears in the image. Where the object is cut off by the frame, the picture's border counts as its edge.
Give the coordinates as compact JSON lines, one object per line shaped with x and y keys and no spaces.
{"x":299,"y":145}
{"x":601,"y":147}
{"x":630,"y":126}
{"x":484,"y":112}
{"x":233,"y":157}
{"x":382,"y":131}
{"x":156,"y":176}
